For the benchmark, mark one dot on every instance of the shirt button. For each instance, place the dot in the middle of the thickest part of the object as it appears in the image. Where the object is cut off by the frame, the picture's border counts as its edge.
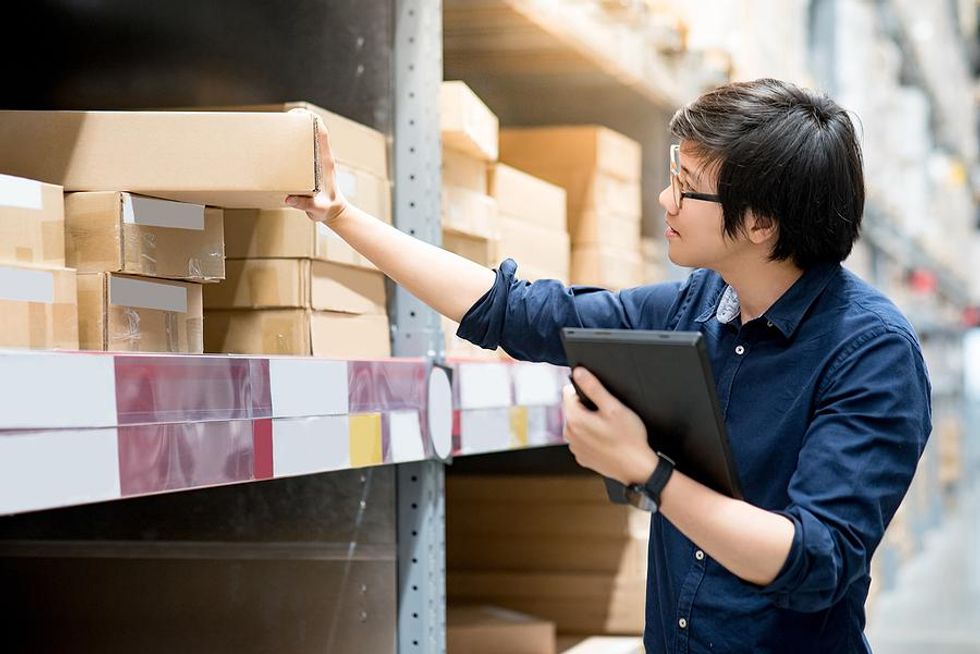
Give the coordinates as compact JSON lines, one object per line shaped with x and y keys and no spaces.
{"x":699,"y":555}
{"x":768,"y":323}
{"x":682,"y":623}
{"x":739,"y":350}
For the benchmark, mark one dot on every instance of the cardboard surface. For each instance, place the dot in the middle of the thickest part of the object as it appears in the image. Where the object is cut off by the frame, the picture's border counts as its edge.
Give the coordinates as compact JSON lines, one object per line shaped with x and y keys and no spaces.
{"x":298,"y":332}
{"x":467,"y":124}
{"x":38,"y":308}
{"x":482,"y":251}
{"x":212,"y":158}
{"x":492,"y":630}
{"x":606,"y":268}
{"x":469,"y":212}
{"x":365,"y":191}
{"x":118,"y":232}
{"x":124,"y":313}
{"x":285,"y":234}
{"x":464,"y":171}
{"x":297,"y":283}
{"x":544,"y":250}
{"x":583,"y":146}
{"x":32,"y":222}
{"x":521,"y":195}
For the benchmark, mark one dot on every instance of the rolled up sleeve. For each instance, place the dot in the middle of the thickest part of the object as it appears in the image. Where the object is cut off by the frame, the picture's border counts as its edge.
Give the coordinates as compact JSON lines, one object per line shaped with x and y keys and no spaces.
{"x":871,"y":424}
{"x":526,"y":318}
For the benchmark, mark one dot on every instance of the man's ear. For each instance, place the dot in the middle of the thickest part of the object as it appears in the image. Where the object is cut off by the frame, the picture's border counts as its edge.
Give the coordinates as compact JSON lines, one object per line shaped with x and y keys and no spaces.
{"x":760,"y":229}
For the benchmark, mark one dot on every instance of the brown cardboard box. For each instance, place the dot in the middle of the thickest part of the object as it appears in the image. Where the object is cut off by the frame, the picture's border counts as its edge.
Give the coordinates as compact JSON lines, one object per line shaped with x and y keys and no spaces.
{"x":584,"y":146}
{"x":298,"y":332}
{"x":120,"y":232}
{"x":464,"y":171}
{"x":122,"y":313}
{"x":544,"y":250}
{"x":521,"y":195}
{"x":365,"y":191}
{"x":285,"y":234}
{"x":353,"y":145}
{"x":612,"y":268}
{"x":38,"y":308}
{"x":212,"y":158}
{"x":481,"y":250}
{"x":32,"y":222}
{"x":467,"y":124}
{"x":469,"y":212}
{"x":606,"y":645}
{"x":298,"y":283}
{"x":492,"y":630}
{"x":607,"y":231}
{"x":617,"y":556}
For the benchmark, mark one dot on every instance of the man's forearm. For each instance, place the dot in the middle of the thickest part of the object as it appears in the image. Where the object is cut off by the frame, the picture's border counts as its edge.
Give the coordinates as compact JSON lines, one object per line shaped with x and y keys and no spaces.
{"x":445,"y":281}
{"x":749,"y":542}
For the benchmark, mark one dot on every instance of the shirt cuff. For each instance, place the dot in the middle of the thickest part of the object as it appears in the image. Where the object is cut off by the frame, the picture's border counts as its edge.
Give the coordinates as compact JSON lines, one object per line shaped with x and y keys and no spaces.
{"x":483,"y":324}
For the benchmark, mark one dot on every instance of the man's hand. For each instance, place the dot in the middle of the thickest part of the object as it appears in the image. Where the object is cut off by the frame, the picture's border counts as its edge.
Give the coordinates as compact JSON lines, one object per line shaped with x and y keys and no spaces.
{"x":613,"y":440}
{"x":329,"y":203}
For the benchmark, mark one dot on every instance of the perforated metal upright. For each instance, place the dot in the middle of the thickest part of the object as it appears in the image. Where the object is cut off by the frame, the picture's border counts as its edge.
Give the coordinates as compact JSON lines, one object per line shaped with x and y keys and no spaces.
{"x":418,"y":186}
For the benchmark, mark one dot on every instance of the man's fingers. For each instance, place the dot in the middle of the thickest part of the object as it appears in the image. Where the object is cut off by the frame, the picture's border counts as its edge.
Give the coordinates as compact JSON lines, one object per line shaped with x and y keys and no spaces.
{"x":301,"y":202}
{"x":594,"y":390}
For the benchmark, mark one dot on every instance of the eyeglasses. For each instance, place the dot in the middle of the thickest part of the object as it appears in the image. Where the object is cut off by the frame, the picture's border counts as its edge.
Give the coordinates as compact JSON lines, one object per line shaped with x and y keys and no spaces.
{"x":675,"y":181}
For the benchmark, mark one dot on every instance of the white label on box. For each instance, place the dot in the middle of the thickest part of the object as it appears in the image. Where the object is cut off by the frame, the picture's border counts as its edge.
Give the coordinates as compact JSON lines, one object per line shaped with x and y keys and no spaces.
{"x":484,"y":385}
{"x":308,"y":387}
{"x":405,"y":436}
{"x":83,"y":385}
{"x":302,"y":446}
{"x":141,"y":294}
{"x":347,"y":183}
{"x":152,"y":212}
{"x":44,"y":470}
{"x":20,"y":193}
{"x":26,"y":285}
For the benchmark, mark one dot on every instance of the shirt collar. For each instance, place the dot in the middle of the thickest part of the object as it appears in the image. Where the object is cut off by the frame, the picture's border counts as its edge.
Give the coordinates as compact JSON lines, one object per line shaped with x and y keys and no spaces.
{"x":788,"y":311}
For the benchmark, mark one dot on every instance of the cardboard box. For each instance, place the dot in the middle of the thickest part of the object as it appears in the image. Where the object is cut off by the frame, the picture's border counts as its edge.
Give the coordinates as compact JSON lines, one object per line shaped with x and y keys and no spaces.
{"x":213,"y":158}
{"x":38,"y":308}
{"x":464,"y":171}
{"x":469,"y":212}
{"x":542,"y":249}
{"x":521,"y":195}
{"x":298,"y":283}
{"x":32,"y":222}
{"x":365,"y":191}
{"x":481,"y":250}
{"x":353,"y":145}
{"x":285,"y":234}
{"x":619,"y":557}
{"x":467,"y":124}
{"x":612,"y":268}
{"x":607,"y":645}
{"x":607,"y":231}
{"x":122,"y":313}
{"x":136,"y":235}
{"x":584,"y":146}
{"x":298,"y":332}
{"x":492,"y":630}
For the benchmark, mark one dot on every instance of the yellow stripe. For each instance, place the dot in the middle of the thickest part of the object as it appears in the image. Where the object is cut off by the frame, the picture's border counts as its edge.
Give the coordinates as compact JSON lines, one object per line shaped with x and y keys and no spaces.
{"x":365,"y":440}
{"x":518,"y":426}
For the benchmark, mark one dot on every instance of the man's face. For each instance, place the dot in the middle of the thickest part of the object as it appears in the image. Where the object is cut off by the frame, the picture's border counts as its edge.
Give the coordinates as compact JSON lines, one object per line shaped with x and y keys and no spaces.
{"x":696,"y":230}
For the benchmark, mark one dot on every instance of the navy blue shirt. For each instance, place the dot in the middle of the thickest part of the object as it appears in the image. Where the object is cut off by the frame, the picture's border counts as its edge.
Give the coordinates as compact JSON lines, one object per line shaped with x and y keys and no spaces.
{"x":826,"y":401}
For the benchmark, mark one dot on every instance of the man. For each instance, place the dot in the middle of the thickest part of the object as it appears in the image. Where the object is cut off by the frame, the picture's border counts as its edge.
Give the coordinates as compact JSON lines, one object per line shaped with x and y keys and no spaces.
{"x":821,"y":380}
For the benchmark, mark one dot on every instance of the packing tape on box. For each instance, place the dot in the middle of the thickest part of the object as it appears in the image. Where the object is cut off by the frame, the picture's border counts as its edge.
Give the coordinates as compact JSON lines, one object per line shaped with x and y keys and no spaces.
{"x":142,"y":294}
{"x":127,"y":331}
{"x":26,"y":285}
{"x":152,"y":212}
{"x":171,"y":330}
{"x":21,"y":193}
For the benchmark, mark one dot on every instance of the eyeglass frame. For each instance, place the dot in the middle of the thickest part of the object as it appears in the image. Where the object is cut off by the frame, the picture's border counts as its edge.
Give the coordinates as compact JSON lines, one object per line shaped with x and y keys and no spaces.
{"x":674,"y":170}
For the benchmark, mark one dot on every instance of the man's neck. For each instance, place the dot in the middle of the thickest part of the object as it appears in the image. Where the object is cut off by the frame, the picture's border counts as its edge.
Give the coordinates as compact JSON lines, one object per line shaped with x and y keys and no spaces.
{"x":759,"y":284}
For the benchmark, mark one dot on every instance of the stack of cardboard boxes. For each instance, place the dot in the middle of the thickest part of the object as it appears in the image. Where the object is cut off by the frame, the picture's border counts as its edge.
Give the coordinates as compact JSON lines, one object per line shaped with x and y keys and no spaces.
{"x":600,"y":172}
{"x":38,"y":303}
{"x":552,"y":547}
{"x":294,"y":287}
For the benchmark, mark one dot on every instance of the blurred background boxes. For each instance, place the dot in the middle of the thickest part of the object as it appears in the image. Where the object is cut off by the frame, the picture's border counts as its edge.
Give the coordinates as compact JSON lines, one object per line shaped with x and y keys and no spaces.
{"x":32,"y":222}
{"x":493,"y":630}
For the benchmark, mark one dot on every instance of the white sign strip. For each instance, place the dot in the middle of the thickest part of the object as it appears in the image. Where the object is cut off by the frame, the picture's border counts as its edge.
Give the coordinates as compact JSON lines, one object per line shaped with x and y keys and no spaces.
{"x":20,"y":193}
{"x":486,"y":430}
{"x":142,"y":294}
{"x":536,"y":384}
{"x":537,"y":425}
{"x":44,"y":470}
{"x":153,"y":212}
{"x":26,"y":285}
{"x":308,"y":387}
{"x":83,"y":386}
{"x":405,"y":436}
{"x":303,"y":446}
{"x":484,"y":385}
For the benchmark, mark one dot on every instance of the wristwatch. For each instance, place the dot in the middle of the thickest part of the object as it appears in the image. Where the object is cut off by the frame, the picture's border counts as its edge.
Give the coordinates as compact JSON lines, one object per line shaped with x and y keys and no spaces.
{"x":646,"y":496}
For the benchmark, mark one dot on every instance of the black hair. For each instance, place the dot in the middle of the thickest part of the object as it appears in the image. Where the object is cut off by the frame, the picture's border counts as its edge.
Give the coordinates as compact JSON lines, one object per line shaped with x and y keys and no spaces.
{"x":789,"y":155}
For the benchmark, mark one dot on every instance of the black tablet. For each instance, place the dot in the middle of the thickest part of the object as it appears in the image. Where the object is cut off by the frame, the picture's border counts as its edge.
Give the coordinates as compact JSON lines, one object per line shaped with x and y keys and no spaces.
{"x":665,"y":377}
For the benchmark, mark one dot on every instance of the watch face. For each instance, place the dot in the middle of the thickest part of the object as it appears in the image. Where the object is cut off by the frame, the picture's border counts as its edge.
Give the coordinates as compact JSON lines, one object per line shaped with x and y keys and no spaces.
{"x":637,"y":496}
